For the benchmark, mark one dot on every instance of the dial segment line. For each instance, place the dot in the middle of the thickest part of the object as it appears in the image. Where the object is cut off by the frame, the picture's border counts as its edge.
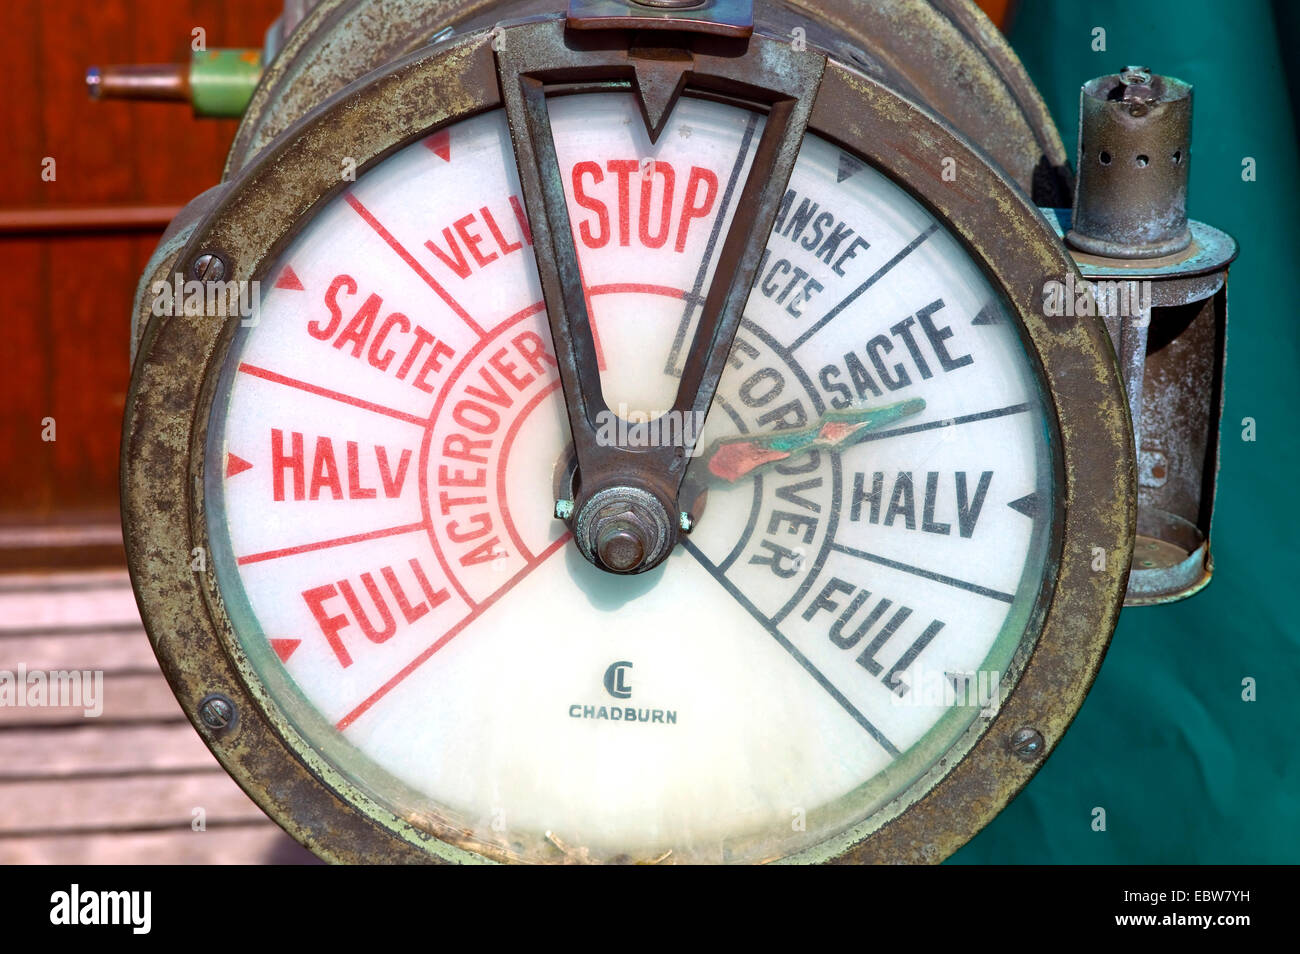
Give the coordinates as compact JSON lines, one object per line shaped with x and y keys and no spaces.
{"x":696,"y":297}
{"x":819,"y":406}
{"x":506,"y":443}
{"x":925,"y":574}
{"x":427,"y":512}
{"x":416,"y":267}
{"x":477,"y":611}
{"x":875,"y":276}
{"x":948,"y":422}
{"x":339,"y":396}
{"x":641,"y":288}
{"x":742,"y":249}
{"x":755,"y":509}
{"x":832,"y":527}
{"x":327,"y":544}
{"x":790,"y":648}
{"x":470,"y":356}
{"x":756,"y":499}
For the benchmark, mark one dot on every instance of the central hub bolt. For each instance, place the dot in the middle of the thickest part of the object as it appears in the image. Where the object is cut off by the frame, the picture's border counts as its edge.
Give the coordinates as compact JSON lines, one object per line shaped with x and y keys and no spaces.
{"x":624,"y":530}
{"x":619,"y":548}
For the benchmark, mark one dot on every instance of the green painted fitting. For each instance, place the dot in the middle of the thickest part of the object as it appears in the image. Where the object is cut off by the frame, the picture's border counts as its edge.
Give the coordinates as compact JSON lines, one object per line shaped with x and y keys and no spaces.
{"x":222,"y":81}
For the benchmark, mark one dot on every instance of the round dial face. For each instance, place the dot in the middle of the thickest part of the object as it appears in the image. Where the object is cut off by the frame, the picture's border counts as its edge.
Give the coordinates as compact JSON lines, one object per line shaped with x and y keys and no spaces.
{"x":871,"y":496}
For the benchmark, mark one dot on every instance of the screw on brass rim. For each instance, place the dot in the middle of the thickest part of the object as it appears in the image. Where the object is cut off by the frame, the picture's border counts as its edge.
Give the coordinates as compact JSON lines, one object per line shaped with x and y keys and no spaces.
{"x":208,"y":267}
{"x":217,"y":712}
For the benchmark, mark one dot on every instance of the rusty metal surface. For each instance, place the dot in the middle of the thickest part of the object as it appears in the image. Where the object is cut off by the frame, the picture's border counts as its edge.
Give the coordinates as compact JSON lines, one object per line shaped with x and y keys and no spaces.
{"x":734,"y":18}
{"x":1179,"y":455}
{"x":1180,"y":411}
{"x":948,"y":56}
{"x":331,"y":45}
{"x":945,"y":54}
{"x":1210,"y":252}
{"x":1172,"y":352}
{"x":1135,"y":134}
{"x":162,"y":264}
{"x":1172,"y":349}
{"x":165,"y":432}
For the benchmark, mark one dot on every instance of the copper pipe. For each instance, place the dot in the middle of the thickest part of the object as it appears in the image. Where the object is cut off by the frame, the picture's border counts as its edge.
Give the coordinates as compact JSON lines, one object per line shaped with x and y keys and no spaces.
{"x":128,"y":218}
{"x":164,"y":81}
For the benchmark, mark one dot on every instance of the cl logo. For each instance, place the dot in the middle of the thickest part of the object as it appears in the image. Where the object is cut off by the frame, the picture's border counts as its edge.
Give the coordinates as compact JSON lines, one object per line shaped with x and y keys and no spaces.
{"x":614,"y":683}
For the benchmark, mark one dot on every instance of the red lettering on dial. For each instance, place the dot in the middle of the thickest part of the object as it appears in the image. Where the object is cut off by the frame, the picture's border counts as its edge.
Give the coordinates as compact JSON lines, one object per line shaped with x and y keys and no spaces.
{"x":385,"y":605}
{"x":659,"y":202}
{"x":295,"y":477}
{"x":379,"y":340}
{"x":477,"y":239}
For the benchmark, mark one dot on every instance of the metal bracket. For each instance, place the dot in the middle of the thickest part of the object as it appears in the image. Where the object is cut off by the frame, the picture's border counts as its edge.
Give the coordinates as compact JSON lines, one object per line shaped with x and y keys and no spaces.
{"x":734,"y":18}
{"x":532,"y":56}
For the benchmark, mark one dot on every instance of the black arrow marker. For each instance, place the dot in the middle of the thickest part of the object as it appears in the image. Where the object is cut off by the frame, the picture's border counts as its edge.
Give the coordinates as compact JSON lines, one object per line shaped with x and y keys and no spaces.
{"x":849,"y":165}
{"x":1031,"y":505}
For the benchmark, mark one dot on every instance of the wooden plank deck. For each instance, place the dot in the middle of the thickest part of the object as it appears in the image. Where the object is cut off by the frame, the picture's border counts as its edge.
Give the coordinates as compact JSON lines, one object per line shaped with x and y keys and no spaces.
{"x":123,"y":787}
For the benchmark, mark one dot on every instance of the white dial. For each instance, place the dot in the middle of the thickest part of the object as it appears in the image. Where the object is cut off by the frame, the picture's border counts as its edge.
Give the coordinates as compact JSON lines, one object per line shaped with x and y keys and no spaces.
{"x":872,"y":500}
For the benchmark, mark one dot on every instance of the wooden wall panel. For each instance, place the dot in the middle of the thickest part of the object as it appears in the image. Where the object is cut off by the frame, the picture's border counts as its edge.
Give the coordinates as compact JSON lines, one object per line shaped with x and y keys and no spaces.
{"x":68,"y":297}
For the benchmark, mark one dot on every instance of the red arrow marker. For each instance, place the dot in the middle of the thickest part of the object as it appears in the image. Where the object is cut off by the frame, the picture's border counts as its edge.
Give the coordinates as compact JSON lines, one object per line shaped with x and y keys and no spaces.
{"x":440,"y":144}
{"x":236,"y":464}
{"x":284,"y":647}
{"x":288,"y":279}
